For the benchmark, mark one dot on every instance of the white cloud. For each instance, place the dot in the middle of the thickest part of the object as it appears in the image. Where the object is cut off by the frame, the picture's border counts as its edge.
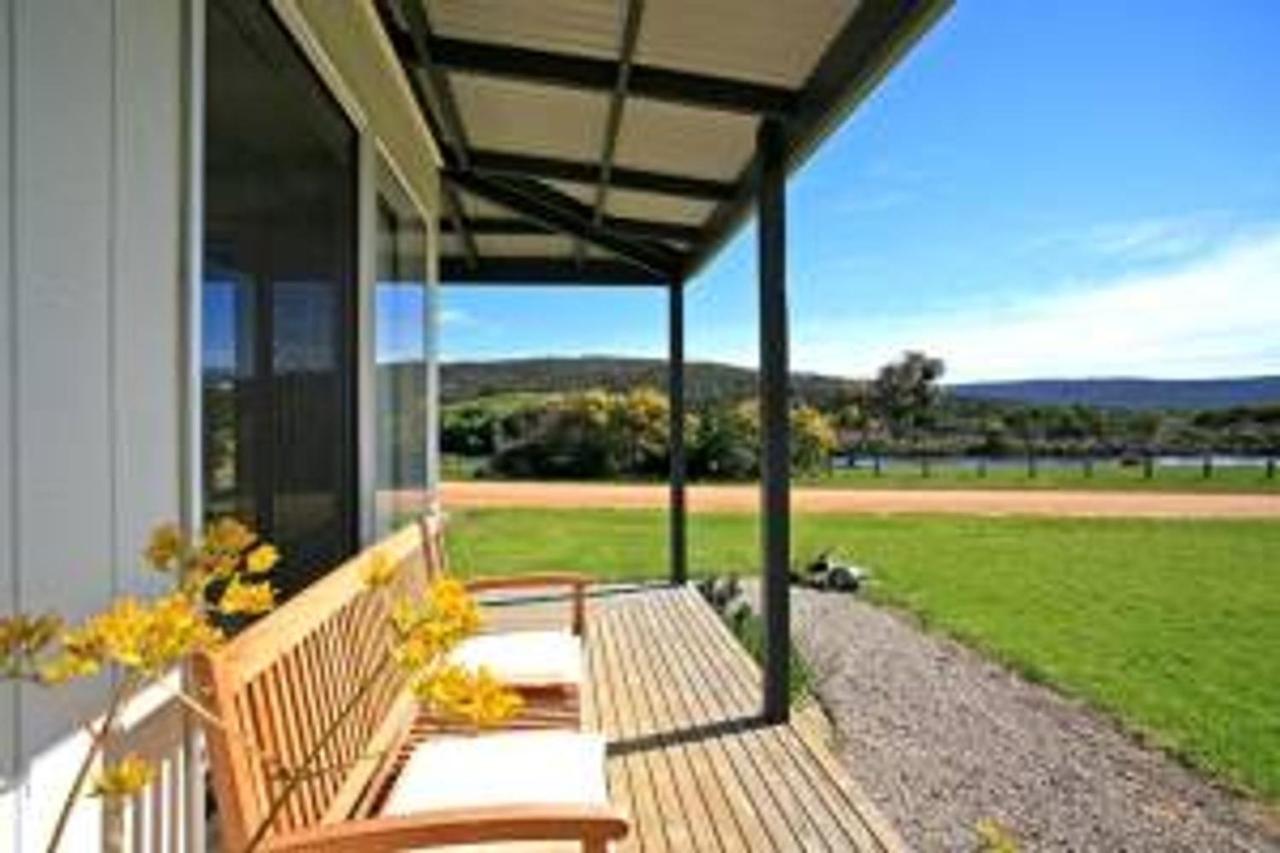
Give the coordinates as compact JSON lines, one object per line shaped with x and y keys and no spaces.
{"x":456,"y":317}
{"x":1215,"y":315}
{"x":1154,"y":238}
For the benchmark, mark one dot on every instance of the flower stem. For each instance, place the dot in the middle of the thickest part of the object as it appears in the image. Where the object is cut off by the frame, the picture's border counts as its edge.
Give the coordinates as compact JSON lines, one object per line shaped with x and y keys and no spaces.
{"x":298,"y":774}
{"x":99,"y":738}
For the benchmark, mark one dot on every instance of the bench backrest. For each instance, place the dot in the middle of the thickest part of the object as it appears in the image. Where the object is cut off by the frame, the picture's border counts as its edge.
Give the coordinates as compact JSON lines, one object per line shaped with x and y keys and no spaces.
{"x":280,"y":685}
{"x":434,"y":552}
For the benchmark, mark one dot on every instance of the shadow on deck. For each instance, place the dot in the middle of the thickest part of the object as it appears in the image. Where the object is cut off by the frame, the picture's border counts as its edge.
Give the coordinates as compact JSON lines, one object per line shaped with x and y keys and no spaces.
{"x":689,"y":756}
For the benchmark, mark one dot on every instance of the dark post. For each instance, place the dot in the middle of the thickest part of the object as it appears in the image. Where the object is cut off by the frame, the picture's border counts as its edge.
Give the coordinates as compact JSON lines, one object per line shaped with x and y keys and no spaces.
{"x":675,"y":395}
{"x":775,"y":463}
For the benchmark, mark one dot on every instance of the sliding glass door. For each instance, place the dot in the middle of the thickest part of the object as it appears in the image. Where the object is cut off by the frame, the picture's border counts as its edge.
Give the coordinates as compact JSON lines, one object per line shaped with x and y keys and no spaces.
{"x":279,"y":294}
{"x":402,"y":321}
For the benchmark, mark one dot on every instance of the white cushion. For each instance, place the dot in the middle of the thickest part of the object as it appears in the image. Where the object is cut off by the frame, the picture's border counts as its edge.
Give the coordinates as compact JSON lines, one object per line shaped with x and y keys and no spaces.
{"x":508,"y":768}
{"x":524,"y":658}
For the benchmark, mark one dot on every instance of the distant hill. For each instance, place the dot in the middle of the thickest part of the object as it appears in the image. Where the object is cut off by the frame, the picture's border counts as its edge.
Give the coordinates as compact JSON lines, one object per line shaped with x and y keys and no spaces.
{"x":1183,"y":394}
{"x":707,"y":382}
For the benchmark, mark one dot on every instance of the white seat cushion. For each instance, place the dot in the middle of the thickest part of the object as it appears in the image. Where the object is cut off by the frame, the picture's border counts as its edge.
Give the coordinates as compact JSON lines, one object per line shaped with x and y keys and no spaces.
{"x":524,"y":658}
{"x":527,"y":767}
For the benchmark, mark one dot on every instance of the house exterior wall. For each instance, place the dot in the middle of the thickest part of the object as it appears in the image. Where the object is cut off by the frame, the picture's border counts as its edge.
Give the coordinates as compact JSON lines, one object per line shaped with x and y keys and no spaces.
{"x":97,"y":327}
{"x":90,"y":400}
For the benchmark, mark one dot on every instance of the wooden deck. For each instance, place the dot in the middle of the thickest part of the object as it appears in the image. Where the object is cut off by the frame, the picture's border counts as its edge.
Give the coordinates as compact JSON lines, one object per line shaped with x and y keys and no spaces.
{"x":689,"y":756}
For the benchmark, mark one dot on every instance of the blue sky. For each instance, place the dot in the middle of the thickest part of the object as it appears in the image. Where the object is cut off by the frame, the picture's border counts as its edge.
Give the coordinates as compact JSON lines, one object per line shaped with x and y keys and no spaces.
{"x":1040,"y":189}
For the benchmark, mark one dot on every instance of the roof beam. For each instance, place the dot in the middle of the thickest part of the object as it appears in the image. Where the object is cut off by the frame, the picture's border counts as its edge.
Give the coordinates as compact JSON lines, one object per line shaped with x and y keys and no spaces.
{"x":580,"y":72}
{"x":554,"y":168}
{"x":539,"y":270}
{"x":617,"y":102}
{"x":557,"y":211}
{"x":876,"y":35}
{"x":646,"y":228}
{"x":434,"y":99}
{"x":653,"y":229}
{"x":500,"y":225}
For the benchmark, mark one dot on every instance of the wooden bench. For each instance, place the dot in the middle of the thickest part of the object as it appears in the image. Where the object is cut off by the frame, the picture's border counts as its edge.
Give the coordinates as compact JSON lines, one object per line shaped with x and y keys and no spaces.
{"x":540,"y":662}
{"x":280,"y":688}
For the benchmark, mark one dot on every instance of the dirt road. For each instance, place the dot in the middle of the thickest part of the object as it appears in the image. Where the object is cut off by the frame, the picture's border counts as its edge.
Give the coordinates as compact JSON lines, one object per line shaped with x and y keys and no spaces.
{"x":746,"y":498}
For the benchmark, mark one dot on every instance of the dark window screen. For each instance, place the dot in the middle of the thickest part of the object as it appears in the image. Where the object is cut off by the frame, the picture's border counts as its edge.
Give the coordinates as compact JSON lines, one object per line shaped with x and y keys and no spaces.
{"x":279,"y":294}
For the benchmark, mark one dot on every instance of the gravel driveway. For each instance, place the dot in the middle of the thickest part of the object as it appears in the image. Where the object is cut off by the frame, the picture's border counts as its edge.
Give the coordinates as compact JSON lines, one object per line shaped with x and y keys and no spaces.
{"x":941,"y":739}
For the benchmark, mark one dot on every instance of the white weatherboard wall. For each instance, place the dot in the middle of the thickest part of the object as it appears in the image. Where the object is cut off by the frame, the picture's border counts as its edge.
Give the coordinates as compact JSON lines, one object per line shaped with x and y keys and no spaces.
{"x":91,"y":370}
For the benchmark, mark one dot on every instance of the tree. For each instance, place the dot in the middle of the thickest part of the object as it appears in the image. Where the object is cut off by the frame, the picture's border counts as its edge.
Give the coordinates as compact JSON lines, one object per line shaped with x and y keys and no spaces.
{"x":726,"y":443}
{"x":640,"y":420}
{"x":1028,"y":423}
{"x":905,"y":392}
{"x":1147,"y":427}
{"x":812,"y":440}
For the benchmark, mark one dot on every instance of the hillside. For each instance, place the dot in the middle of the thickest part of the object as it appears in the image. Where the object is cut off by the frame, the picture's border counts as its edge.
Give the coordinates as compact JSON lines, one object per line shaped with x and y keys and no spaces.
{"x":1183,"y":394}
{"x":707,"y":382}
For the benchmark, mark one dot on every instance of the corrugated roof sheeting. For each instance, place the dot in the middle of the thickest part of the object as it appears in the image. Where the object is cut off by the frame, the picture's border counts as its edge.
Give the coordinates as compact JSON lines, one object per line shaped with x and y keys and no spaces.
{"x":524,"y":118}
{"x":524,"y":245}
{"x":708,"y":72}
{"x":763,"y":41}
{"x":578,"y":27}
{"x":666,"y":137}
{"x":657,"y":207}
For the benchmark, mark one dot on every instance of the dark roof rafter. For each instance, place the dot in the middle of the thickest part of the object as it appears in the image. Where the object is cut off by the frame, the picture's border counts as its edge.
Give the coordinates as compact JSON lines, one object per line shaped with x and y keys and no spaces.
{"x":435,"y":102}
{"x":540,"y":270}
{"x":617,"y":103}
{"x":580,"y":72}
{"x":530,"y":198}
{"x":498,"y":225}
{"x":648,"y":228}
{"x":554,"y":168}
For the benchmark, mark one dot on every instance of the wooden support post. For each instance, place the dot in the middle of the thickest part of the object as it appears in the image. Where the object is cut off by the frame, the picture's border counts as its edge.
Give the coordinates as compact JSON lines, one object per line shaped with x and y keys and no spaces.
{"x":675,"y":395}
{"x":775,"y":463}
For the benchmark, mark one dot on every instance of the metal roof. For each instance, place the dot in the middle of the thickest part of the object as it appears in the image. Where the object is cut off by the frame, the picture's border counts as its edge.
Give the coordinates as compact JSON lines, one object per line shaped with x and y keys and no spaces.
{"x":614,"y":141}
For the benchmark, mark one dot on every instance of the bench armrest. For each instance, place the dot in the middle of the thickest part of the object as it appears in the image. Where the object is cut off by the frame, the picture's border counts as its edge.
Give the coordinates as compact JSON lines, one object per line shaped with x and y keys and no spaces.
{"x":594,"y":826}
{"x":576,"y":582}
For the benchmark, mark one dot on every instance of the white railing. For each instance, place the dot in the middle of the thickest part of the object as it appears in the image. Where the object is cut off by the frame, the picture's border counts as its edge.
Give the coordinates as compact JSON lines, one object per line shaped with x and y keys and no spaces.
{"x":168,"y":817}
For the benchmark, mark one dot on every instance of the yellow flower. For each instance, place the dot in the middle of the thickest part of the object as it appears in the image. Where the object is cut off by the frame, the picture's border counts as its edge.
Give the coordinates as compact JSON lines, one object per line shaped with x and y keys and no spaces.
{"x":378,"y":571}
{"x":68,"y":666}
{"x":262,"y":559}
{"x":995,"y":837}
{"x":213,"y":565}
{"x":246,"y":598}
{"x":452,"y":604}
{"x":23,"y":635}
{"x":166,"y":545}
{"x":148,"y":637}
{"x":476,"y":698}
{"x":125,"y":778}
{"x":229,"y":534}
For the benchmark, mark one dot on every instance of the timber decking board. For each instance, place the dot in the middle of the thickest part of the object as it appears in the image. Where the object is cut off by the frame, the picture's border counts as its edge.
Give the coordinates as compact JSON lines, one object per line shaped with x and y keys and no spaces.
{"x":690,"y":759}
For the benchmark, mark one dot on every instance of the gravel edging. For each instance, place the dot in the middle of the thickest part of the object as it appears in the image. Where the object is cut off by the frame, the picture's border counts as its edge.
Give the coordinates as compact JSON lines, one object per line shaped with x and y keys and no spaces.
{"x":941,"y":738}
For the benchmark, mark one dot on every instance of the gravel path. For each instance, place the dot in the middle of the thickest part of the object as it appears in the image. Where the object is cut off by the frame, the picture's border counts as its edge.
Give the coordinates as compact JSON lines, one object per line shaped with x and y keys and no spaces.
{"x":746,"y":498}
{"x":941,"y":739}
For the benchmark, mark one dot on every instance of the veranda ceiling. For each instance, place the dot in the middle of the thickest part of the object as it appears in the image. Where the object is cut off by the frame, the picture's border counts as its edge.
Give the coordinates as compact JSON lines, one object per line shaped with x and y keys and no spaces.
{"x":614,"y":141}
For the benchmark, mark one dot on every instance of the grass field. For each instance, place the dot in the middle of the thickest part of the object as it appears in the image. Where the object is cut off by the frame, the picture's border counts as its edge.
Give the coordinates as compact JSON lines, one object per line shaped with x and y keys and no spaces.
{"x":1172,"y":626}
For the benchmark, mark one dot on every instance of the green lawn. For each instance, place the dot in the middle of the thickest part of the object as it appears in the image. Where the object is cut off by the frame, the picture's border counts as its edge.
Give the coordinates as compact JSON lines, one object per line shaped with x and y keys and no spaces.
{"x":1173,"y":626}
